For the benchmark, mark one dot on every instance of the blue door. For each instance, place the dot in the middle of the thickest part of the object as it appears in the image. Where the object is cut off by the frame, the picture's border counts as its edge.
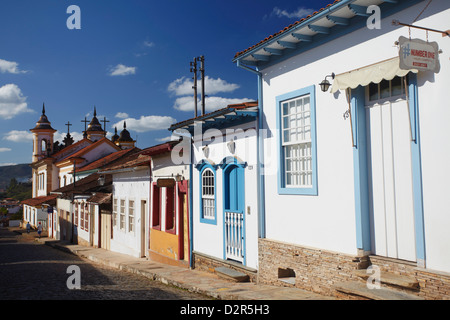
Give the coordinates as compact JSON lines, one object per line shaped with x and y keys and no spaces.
{"x":234,"y":204}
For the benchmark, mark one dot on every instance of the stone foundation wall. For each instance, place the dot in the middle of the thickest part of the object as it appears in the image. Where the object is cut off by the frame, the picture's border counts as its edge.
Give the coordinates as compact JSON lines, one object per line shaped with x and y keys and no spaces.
{"x":207,"y":263}
{"x":305,"y":268}
{"x":317,"y":270}
{"x":433,"y":285}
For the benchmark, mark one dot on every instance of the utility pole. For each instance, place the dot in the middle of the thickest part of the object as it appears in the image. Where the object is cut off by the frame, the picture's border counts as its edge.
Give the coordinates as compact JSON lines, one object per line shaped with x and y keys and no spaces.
{"x":202,"y":71}
{"x":194,"y":70}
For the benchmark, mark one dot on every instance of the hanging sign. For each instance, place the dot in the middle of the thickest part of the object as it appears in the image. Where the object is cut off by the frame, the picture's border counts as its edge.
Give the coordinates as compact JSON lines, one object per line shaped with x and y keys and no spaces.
{"x":165,"y":183}
{"x":418,"y":54}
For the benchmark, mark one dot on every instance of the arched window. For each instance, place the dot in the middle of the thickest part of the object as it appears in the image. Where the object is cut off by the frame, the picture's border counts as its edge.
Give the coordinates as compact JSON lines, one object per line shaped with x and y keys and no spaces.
{"x":208,"y":194}
{"x":43,"y":145}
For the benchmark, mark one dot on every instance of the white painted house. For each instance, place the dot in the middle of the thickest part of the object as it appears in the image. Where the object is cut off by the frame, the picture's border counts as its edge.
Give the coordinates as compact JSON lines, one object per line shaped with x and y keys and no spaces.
{"x":357,"y":174}
{"x":128,"y":233}
{"x":224,"y":185}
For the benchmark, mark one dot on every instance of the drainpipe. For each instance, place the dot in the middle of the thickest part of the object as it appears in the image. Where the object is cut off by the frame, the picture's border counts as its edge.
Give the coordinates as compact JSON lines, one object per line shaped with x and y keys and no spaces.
{"x":191,"y":222}
{"x":260,"y":152}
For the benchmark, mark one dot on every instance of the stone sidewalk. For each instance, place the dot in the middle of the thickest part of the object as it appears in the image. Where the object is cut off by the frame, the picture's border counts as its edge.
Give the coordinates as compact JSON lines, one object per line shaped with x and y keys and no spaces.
{"x":200,"y":282}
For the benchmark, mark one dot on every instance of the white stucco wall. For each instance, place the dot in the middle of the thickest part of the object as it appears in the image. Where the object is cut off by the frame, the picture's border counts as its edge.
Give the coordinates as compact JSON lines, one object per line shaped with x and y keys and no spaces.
{"x":131,"y":186}
{"x":434,"y":109}
{"x":328,"y":220}
{"x":209,"y":238}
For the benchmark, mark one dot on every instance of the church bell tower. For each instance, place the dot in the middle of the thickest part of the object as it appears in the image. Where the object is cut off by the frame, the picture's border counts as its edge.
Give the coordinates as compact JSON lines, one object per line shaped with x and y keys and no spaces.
{"x":42,"y":138}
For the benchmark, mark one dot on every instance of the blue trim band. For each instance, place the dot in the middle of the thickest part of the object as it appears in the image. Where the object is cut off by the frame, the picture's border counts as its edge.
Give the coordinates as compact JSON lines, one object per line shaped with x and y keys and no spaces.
{"x":360,"y":165}
{"x":416,"y":170}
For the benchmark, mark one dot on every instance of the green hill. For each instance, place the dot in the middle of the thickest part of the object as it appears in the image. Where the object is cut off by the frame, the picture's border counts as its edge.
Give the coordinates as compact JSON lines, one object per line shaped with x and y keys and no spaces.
{"x":21,"y":172}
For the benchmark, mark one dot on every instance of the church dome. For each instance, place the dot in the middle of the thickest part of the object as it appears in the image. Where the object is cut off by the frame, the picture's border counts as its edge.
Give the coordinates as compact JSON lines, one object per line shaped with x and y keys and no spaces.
{"x":115,"y":137}
{"x":94,"y":125}
{"x":125,"y":134}
{"x":43,"y":122}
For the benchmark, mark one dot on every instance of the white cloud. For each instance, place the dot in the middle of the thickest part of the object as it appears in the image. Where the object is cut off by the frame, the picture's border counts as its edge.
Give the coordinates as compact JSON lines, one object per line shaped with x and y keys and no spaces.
{"x":18,"y":136}
{"x":122,"y":70}
{"x":5,"y":149}
{"x":183,"y":86}
{"x":10,"y":67}
{"x":211,"y":103}
{"x":121,"y":115}
{"x":12,"y":101}
{"x":146,"y":123}
{"x":169,"y":138}
{"x":148,"y":44}
{"x":299,"y":13}
{"x":7,"y":164}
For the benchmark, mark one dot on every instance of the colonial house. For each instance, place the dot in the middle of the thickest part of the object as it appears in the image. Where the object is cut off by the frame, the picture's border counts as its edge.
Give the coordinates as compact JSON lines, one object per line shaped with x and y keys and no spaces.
{"x":69,"y":206}
{"x":169,"y":218}
{"x":37,"y":209}
{"x":354,"y":176}
{"x":224,"y":197}
{"x":128,"y":219}
{"x":77,"y":217}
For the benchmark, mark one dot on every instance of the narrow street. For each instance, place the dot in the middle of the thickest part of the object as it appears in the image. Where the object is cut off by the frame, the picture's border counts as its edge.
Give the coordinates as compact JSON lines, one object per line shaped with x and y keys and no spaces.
{"x":33,"y":271}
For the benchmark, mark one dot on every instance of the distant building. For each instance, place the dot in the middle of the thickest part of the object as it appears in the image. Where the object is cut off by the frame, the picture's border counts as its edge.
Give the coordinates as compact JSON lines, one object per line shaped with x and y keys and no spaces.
{"x":54,"y":165}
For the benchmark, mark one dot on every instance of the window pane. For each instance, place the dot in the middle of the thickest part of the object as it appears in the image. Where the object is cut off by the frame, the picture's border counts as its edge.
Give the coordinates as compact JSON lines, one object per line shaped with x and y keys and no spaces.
{"x":285,"y":109}
{"x":373,"y":91}
{"x":208,"y":201}
{"x":285,"y":122}
{"x":385,"y":91}
{"x":292,"y":109}
{"x":396,"y":85}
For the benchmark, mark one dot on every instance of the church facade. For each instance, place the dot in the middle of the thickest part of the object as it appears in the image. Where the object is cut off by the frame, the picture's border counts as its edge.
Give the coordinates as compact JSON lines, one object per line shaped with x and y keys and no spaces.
{"x":54,"y":164}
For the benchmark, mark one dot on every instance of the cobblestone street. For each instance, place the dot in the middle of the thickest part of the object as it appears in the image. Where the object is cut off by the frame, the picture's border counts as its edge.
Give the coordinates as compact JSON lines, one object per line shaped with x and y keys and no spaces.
{"x":33,"y":271}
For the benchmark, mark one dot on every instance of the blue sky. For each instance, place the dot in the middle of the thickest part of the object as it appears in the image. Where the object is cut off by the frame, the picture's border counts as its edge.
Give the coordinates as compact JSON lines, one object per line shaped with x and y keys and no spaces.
{"x":130,"y":60}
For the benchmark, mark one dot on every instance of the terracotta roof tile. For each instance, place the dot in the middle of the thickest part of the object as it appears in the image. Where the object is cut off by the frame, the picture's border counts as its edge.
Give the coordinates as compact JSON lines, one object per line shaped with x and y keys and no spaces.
{"x":86,"y":185}
{"x":100,"y":198}
{"x":134,"y":160}
{"x":107,"y":160}
{"x":86,"y":149}
{"x":72,"y":146}
{"x":37,"y":201}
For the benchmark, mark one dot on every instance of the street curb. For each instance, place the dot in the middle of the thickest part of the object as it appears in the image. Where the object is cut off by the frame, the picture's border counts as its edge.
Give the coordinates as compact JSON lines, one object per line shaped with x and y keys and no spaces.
{"x":196,"y":281}
{"x":128,"y":268}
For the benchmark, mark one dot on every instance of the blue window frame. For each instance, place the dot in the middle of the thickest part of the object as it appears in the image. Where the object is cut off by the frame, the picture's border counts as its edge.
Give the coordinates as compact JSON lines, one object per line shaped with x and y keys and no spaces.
{"x":297,"y":145}
{"x":208,"y":193}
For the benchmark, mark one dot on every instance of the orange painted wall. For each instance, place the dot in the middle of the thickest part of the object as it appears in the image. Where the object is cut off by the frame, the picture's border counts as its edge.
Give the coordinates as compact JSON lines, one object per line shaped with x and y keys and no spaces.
{"x":164,"y":243}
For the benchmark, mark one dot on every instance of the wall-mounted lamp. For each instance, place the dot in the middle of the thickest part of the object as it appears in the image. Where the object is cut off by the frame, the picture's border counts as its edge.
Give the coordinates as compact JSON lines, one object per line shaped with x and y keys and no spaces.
{"x":325,"y":84}
{"x":101,"y":180}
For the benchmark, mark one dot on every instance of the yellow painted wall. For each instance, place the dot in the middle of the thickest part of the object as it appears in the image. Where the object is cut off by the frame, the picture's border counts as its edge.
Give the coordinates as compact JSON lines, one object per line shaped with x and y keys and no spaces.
{"x":164,"y":243}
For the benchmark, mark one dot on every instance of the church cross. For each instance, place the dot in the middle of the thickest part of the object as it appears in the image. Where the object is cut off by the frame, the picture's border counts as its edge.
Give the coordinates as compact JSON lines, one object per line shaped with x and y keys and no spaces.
{"x":68,"y":124}
{"x":85,"y":123}
{"x":104,"y":124}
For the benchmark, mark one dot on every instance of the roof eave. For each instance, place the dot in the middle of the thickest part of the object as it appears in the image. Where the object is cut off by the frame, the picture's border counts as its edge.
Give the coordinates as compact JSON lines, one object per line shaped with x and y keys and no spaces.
{"x":252,"y":56}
